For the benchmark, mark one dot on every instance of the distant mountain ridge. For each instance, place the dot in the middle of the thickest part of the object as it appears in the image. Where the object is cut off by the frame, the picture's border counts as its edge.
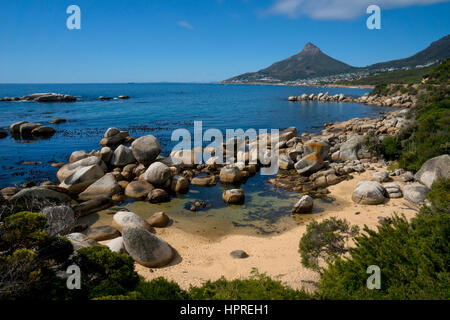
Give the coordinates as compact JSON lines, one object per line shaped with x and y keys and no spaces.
{"x":311,"y":62}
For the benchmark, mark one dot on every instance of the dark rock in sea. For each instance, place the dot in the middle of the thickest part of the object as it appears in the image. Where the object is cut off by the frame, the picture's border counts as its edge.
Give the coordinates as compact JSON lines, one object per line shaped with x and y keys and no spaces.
{"x":49,"y":97}
{"x":238,"y":254}
{"x":43,"y":131}
{"x":58,"y":120}
{"x":124,"y":97}
{"x":3,"y":133}
{"x":104,"y":98}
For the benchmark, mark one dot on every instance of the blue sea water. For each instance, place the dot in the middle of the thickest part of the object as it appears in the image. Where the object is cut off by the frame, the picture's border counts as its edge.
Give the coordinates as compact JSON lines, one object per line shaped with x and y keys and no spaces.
{"x":158,"y":109}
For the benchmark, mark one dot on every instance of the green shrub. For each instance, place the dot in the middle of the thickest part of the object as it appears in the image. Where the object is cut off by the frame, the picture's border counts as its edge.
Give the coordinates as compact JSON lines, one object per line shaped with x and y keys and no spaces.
{"x":104,"y":272}
{"x":391,"y":148}
{"x":257,"y":287}
{"x":371,"y":142}
{"x":156,"y":289}
{"x":413,"y":257}
{"x":29,"y":259}
{"x":325,"y":241}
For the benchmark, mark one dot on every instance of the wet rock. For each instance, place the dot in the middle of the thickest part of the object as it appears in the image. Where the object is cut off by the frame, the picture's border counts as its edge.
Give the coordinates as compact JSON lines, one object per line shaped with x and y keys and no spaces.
{"x":204,"y":181}
{"x":102,"y":233}
{"x":433,"y":169}
{"x":49,"y":97}
{"x":138,"y":189}
{"x":158,"y":220}
{"x":369,"y":192}
{"x":122,"y":156}
{"x":238,"y":254}
{"x":27,"y":128}
{"x":157,"y":173}
{"x":58,"y":120}
{"x":146,"y":149}
{"x":104,"y":98}
{"x":124,"y":97}
{"x":104,"y":187}
{"x":304,"y":205}
{"x":43,"y":131}
{"x":233,"y":196}
{"x":158,"y":196}
{"x":3,"y":133}
{"x":92,"y":206}
{"x":60,"y":219}
{"x":179,"y":184}
{"x":230,"y":174}
{"x":15,"y":127}
{"x":146,"y":248}
{"x":415,"y":193}
{"x":124,"y":219}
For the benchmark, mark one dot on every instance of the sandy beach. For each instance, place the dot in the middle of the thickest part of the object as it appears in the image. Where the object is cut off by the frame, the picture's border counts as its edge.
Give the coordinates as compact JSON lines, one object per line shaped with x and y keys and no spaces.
{"x":200,"y":259}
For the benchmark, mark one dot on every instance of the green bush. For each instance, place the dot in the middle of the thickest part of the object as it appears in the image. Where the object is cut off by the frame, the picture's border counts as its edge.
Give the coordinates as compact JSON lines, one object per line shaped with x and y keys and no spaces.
{"x":391,"y":148}
{"x":325,"y":241}
{"x":156,"y":289}
{"x":371,"y":142}
{"x":29,"y":259}
{"x":413,"y":257}
{"x":257,"y":287}
{"x":104,"y":273}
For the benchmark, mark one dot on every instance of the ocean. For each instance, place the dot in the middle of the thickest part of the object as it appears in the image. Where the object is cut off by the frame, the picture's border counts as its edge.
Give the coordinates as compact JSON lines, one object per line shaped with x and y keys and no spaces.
{"x":158,"y":109}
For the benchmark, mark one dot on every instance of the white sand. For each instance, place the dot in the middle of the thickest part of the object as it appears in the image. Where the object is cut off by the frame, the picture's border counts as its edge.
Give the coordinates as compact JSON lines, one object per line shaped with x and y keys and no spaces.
{"x":201,"y":259}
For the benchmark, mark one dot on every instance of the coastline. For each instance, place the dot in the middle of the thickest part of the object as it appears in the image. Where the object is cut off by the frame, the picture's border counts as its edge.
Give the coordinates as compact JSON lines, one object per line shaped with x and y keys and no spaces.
{"x":201,"y":259}
{"x":302,"y":85}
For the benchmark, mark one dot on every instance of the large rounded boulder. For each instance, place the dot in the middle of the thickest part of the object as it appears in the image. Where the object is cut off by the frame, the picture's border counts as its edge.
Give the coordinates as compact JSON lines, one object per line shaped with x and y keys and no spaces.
{"x":60,"y":219}
{"x":233,"y":196}
{"x":369,"y":192}
{"x":122,"y":156}
{"x":415,"y":193}
{"x":304,"y":205}
{"x":146,"y":248}
{"x":138,"y":189}
{"x":104,"y":187}
{"x":146,"y":149}
{"x":124,"y":219}
{"x":157,"y":173}
{"x":230,"y":174}
{"x":433,"y":169}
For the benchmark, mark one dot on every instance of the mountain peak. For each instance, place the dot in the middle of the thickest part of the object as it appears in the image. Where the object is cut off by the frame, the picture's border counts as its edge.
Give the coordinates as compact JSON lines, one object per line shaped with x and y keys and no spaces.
{"x":310,"y":48}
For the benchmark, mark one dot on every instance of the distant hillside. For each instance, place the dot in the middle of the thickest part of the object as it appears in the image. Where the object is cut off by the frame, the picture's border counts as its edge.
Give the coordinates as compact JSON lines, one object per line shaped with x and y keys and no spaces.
{"x":437,"y":51}
{"x":400,"y":77}
{"x":310,"y":62}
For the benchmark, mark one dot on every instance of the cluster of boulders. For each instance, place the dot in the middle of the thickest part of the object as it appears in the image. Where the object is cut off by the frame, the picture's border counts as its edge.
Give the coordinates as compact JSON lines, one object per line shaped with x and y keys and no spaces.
{"x":29,"y":130}
{"x":398,"y":101}
{"x":43,"y":97}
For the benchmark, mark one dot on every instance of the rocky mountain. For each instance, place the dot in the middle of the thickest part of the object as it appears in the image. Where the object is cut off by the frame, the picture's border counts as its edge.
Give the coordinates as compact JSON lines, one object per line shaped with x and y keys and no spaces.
{"x":310,"y":62}
{"x":437,"y":51}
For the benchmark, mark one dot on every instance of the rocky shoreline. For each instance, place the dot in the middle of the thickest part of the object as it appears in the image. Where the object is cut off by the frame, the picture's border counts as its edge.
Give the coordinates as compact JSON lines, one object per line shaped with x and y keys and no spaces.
{"x":396,"y":101}
{"x":129,"y":168}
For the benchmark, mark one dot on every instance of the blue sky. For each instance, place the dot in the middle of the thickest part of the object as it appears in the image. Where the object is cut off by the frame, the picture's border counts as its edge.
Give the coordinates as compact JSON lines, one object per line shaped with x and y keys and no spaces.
{"x":201,"y":40}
